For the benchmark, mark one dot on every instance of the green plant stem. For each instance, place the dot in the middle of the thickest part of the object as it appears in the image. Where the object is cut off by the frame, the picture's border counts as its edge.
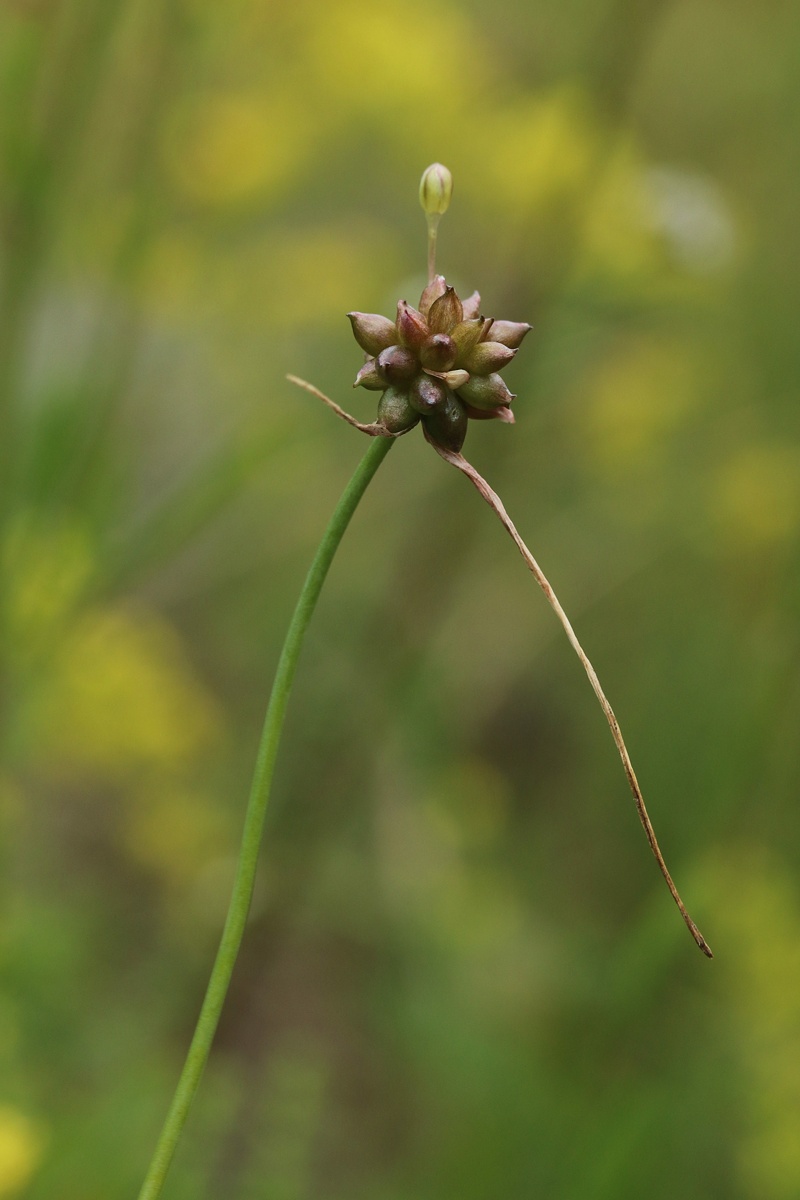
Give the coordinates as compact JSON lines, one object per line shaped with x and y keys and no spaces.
{"x":254,"y":820}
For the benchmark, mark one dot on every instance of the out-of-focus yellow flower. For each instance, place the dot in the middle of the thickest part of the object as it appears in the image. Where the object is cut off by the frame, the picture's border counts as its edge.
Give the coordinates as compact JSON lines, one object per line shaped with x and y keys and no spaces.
{"x":756,"y":499}
{"x":175,"y":831}
{"x":47,"y":568}
{"x":327,"y":267}
{"x":22,"y":1143}
{"x":231,"y":149}
{"x":633,"y":400}
{"x":418,"y":63}
{"x":122,"y":698}
{"x":758,"y":908}
{"x":618,"y":237}
{"x":532,"y":153}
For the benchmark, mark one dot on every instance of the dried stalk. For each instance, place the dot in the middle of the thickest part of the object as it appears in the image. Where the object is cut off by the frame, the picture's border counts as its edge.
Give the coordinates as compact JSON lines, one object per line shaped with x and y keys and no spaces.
{"x":496,"y":504}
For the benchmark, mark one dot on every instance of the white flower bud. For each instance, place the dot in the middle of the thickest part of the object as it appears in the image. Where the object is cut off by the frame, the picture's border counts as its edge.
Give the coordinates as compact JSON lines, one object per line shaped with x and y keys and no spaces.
{"x":435,"y":189}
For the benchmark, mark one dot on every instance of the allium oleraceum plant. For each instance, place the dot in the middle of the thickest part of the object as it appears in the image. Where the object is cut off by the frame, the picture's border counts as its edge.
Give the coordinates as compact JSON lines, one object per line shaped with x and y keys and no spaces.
{"x":437,"y":366}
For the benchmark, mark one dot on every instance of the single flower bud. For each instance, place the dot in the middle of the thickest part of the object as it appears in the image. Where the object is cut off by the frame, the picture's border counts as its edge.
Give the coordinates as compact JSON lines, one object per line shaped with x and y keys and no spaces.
{"x":435,"y":189}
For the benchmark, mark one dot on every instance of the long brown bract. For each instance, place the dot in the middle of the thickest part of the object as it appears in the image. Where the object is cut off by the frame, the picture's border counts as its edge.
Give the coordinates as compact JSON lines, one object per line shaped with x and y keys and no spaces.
{"x":497,"y":506}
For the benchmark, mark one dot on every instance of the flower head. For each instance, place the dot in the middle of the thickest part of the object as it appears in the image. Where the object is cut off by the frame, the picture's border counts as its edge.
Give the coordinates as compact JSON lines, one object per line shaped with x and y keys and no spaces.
{"x":439,"y":364}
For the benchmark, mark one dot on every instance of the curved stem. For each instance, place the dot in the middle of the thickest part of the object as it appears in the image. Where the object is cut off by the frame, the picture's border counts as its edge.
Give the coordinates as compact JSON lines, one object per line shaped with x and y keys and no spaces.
{"x":254,"y":821}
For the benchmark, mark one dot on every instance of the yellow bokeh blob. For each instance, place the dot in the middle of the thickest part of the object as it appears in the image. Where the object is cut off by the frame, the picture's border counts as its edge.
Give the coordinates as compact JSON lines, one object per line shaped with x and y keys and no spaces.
{"x":291,"y":278}
{"x":232,"y":149}
{"x":329,"y":270}
{"x":176,"y":832}
{"x":417,"y":64}
{"x":22,"y":1144}
{"x":47,"y":568}
{"x":533,"y":153}
{"x":756,"y":496}
{"x":632,"y":400}
{"x":122,"y":698}
{"x":617,"y":237}
{"x":758,"y":912}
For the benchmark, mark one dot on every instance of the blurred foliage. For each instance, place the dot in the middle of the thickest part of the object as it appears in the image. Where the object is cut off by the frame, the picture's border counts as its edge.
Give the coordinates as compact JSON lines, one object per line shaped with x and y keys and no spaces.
{"x":462,"y":976}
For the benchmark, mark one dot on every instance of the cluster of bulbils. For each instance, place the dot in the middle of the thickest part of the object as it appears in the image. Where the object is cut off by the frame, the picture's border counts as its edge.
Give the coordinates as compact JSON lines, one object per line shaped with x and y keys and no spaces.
{"x":438,"y":364}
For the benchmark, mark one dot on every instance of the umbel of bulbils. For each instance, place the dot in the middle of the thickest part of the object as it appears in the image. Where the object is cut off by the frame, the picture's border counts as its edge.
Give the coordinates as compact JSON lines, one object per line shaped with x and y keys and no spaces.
{"x":439,"y":363}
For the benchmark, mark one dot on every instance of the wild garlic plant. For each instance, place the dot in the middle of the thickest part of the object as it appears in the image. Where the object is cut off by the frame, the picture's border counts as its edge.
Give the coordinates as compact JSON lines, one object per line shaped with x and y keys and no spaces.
{"x":437,"y":366}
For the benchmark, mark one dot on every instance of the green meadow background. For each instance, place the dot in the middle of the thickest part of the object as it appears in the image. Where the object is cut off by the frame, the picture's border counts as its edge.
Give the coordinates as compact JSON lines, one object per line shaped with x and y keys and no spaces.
{"x":463,"y":977}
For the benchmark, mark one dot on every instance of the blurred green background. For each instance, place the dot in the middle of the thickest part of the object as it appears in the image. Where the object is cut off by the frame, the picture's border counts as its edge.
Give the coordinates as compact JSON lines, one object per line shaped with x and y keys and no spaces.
{"x":463,"y":976}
